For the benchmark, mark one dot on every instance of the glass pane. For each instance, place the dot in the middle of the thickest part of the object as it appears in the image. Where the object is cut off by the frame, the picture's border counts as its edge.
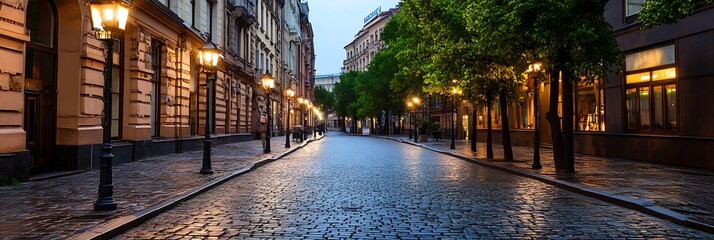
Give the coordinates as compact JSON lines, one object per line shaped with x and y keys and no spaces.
{"x":657,"y":108}
{"x":631,"y":95}
{"x":601,"y":111}
{"x":634,"y":6}
{"x":40,"y":22}
{"x":664,"y":74}
{"x":671,"y":106}
{"x":649,"y":58}
{"x":587,"y":109}
{"x":644,"y":108}
{"x":637,"y":78}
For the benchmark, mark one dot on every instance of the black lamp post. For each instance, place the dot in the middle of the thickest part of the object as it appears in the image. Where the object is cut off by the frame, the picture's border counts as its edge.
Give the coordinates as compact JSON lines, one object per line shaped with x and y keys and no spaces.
{"x":301,"y":101}
{"x":289,"y":94}
{"x":208,"y":60}
{"x":535,"y":68}
{"x":409,"y":106}
{"x":455,"y":91}
{"x":309,"y":115}
{"x":109,"y":21}
{"x":314,"y":122}
{"x":416,"y":101}
{"x":268,"y":83}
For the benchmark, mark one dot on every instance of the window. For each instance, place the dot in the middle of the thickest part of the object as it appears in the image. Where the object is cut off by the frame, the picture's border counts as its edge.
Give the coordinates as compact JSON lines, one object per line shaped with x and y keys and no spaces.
{"x":156,"y":54}
{"x":227,"y":33}
{"x":633,"y":7}
{"x":194,"y":14}
{"x":239,"y":34}
{"x":590,"y":106}
{"x":651,"y":91}
{"x":41,"y":23}
{"x":210,"y":17}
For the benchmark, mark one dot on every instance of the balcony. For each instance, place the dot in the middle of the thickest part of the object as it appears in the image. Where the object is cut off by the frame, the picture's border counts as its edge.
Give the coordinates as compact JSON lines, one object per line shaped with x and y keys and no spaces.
{"x":243,"y":9}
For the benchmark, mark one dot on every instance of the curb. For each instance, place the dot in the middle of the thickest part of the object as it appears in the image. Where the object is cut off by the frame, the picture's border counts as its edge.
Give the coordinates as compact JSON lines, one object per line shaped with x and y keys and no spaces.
{"x":623,"y":201}
{"x":124,"y":223}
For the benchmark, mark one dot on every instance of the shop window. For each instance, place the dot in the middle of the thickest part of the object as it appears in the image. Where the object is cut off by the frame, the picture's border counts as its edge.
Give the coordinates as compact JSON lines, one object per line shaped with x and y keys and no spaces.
{"x":651,"y":104}
{"x":651,"y":91}
{"x":590,"y":105}
{"x":495,"y":113}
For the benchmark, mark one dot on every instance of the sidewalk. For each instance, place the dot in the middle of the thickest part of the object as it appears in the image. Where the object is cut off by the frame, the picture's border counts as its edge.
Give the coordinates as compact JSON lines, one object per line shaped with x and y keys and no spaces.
{"x":60,"y":208}
{"x":680,"y":194}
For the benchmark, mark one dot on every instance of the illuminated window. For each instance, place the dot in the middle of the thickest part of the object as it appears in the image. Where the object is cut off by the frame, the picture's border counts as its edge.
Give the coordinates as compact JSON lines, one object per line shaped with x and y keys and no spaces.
{"x":590,"y":104}
{"x":651,"y":91}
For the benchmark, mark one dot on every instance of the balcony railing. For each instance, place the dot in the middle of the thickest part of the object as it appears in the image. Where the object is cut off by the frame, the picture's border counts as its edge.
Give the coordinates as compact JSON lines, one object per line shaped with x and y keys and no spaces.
{"x":244,"y":9}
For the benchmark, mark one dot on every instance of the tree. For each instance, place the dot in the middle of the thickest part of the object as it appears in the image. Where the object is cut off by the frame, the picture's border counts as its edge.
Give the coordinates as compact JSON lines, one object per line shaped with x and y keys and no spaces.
{"x":457,"y":53}
{"x":658,"y":12}
{"x":570,"y":37}
{"x":325,"y":99}
{"x":345,"y":95}
{"x":375,"y":97}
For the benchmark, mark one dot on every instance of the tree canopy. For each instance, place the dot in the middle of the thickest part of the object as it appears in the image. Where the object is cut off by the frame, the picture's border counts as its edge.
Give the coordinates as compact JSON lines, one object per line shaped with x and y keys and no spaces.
{"x":657,"y":12}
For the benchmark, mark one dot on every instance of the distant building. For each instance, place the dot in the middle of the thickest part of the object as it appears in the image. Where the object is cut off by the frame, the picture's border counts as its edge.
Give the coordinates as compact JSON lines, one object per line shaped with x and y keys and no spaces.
{"x":367,"y":42}
{"x":327,"y":81}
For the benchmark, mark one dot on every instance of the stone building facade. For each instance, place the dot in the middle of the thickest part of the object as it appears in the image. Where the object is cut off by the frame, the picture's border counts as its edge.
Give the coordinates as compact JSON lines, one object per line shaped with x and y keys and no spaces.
{"x":367,"y":42}
{"x":51,"y":80}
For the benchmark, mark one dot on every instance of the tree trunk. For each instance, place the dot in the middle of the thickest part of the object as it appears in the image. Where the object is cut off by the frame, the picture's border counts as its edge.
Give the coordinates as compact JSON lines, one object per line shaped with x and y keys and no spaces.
{"x":489,"y":133}
{"x":568,"y":151}
{"x":505,"y":129}
{"x":473,"y":129}
{"x":343,"y":126}
{"x":554,"y":121}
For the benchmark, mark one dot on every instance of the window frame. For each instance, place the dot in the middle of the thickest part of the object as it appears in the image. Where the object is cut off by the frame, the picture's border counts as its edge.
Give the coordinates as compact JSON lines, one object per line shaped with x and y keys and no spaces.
{"x":600,"y":99}
{"x":650,"y":85}
{"x":629,"y":18}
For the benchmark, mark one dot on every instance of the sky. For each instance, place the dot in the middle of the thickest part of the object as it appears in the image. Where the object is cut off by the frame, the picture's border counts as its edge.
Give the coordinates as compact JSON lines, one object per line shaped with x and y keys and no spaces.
{"x":335,"y":23}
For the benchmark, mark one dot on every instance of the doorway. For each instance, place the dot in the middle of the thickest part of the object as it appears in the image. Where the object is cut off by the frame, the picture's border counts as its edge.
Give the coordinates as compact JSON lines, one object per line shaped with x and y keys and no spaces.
{"x":40,"y":84}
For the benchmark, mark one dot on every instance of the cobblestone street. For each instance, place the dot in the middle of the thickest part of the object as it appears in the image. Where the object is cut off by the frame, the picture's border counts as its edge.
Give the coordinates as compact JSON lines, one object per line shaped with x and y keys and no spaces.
{"x":62,"y":207}
{"x":358,"y":187}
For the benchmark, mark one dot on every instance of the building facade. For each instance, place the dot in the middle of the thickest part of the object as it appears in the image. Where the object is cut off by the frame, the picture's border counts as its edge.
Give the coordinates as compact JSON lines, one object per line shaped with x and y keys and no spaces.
{"x":367,"y":42}
{"x":654,"y":111}
{"x":360,"y":52}
{"x":327,"y":81}
{"x":51,"y":80}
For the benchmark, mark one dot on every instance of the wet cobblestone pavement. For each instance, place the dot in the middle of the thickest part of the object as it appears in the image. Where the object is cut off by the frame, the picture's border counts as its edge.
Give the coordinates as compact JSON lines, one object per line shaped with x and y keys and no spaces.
{"x":58,"y":208}
{"x":684,"y":190}
{"x":369,"y":188}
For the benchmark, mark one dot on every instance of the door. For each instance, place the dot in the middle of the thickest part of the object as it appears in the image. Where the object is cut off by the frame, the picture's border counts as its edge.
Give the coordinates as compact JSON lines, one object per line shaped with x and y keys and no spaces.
{"x":40,"y":84}
{"x":40,"y":106}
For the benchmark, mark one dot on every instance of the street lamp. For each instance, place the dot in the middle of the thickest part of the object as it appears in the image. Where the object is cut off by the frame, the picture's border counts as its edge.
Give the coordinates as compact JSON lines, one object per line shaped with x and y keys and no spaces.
{"x":314,"y":132}
{"x":417,"y":102}
{"x":301,"y":101}
{"x":289,"y":94}
{"x":409,"y":106}
{"x":109,"y":21}
{"x":208,"y":56}
{"x":309,"y":114}
{"x":455,"y":91}
{"x":268,"y":83}
{"x":535,"y":69}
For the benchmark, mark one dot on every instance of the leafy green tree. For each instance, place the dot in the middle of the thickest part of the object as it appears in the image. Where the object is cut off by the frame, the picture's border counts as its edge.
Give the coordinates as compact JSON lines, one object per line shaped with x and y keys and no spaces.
{"x":324,"y":99}
{"x":346,"y":96}
{"x":457,"y":52}
{"x":375,"y":93}
{"x":570,"y":37}
{"x":658,"y":12}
